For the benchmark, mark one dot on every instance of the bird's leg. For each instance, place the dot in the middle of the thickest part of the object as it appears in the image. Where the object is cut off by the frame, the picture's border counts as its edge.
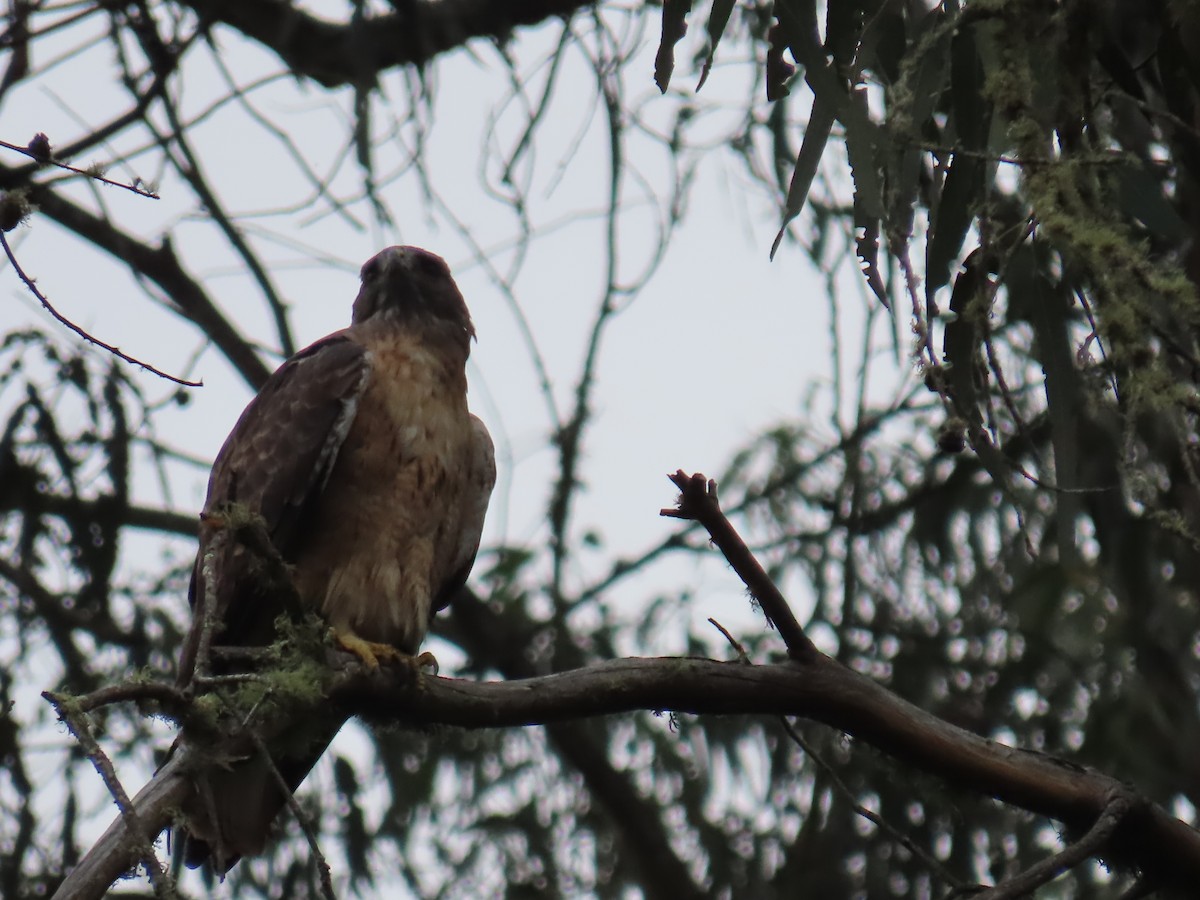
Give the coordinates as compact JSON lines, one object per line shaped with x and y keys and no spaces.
{"x":369,"y":652}
{"x":372,"y":653}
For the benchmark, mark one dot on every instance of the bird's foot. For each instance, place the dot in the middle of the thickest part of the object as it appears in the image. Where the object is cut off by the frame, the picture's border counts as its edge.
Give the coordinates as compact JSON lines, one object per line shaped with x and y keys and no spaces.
{"x":372,"y":654}
{"x":369,"y":652}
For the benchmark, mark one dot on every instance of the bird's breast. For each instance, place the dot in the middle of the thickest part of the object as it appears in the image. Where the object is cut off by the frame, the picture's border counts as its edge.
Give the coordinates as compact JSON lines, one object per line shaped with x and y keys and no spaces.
{"x":384,"y":528}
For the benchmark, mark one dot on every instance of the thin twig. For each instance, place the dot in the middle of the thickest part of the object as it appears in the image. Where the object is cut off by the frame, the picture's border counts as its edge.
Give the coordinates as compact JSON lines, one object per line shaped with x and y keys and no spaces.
{"x":1109,"y":159}
{"x":569,"y":438}
{"x":873,"y":817}
{"x":45,"y":158}
{"x":698,"y":501}
{"x":78,"y":723}
{"x":231,"y":680}
{"x":29,"y":283}
{"x":165,"y":695}
{"x":190,"y":170}
{"x":306,"y":824}
{"x":1091,"y":844}
{"x":743,"y":657}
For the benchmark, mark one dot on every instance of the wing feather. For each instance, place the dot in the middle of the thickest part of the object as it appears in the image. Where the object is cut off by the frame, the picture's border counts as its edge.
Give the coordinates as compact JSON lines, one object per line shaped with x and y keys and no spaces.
{"x":275,"y":462}
{"x":481,"y":478}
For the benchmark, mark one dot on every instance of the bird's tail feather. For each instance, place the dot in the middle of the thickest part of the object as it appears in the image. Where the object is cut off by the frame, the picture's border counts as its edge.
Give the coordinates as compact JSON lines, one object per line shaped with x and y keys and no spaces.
{"x":237,"y":800}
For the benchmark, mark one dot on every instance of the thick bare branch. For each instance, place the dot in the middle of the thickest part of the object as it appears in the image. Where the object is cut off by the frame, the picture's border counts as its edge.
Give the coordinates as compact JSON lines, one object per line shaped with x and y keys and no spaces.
{"x":143,"y":517}
{"x":822,"y":689}
{"x":354,"y":52}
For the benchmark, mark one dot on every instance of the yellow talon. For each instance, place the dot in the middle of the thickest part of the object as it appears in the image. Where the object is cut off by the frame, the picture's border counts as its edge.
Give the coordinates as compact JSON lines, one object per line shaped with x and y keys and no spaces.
{"x":372,"y":653}
{"x":368,"y":651}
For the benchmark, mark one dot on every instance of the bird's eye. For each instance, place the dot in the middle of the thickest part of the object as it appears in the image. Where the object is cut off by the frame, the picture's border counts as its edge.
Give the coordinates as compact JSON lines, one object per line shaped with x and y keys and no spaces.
{"x":370,"y":271}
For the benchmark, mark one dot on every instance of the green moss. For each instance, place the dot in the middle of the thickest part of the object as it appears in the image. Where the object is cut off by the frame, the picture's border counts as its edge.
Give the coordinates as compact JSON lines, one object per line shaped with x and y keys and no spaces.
{"x":67,"y":704}
{"x":288,"y":685}
{"x":1075,"y":204}
{"x":206,"y":712}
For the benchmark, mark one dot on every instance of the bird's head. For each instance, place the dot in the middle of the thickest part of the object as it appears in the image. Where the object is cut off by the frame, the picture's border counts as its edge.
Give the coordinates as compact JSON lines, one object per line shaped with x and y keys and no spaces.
{"x":409,"y":283}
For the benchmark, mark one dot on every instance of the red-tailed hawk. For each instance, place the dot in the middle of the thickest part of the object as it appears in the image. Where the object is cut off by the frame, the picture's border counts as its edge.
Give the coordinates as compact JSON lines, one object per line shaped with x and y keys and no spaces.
{"x":372,"y":478}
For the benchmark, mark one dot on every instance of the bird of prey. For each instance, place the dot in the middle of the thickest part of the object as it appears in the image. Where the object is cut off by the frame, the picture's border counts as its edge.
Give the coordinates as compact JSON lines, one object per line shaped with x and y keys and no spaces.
{"x":372,"y":478}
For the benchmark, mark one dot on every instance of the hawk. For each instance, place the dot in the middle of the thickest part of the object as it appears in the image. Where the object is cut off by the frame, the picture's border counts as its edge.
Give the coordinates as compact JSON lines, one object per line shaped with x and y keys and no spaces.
{"x":372,"y":478}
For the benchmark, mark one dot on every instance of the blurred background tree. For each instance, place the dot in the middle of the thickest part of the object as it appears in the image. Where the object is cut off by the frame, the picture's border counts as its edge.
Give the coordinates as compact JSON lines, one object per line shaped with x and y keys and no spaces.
{"x":1005,"y":533}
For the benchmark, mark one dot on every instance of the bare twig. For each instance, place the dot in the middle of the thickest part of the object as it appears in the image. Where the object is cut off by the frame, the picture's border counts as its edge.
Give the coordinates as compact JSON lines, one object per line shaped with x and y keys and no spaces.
{"x":231,"y":680}
{"x":114,"y":853}
{"x":306,"y":824}
{"x":77,"y":722}
{"x":1120,"y":802}
{"x":1106,"y":158}
{"x":698,"y":502}
{"x":137,"y":691}
{"x":33,"y":288}
{"x":39,"y":151}
{"x":191,"y":171}
{"x":860,"y":810}
{"x":569,"y":438}
{"x":743,"y":657}
{"x":159,"y":265}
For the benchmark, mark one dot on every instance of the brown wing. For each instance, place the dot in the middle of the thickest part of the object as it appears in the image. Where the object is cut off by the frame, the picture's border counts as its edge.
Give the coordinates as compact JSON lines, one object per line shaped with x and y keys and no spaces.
{"x":481,"y":478}
{"x":275,"y":462}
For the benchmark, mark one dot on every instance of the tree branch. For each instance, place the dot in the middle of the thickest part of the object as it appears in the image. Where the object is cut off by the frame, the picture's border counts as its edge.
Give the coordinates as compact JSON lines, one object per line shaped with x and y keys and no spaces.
{"x":149,"y":518}
{"x":1045,"y":871}
{"x":1127,"y":827}
{"x":31,"y":284}
{"x":347,"y":53}
{"x":698,"y":502}
{"x":191,"y":170}
{"x":157,"y":264}
{"x":39,"y":151}
{"x":115,"y":853}
{"x":138,"y":835}
{"x":822,"y":689}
